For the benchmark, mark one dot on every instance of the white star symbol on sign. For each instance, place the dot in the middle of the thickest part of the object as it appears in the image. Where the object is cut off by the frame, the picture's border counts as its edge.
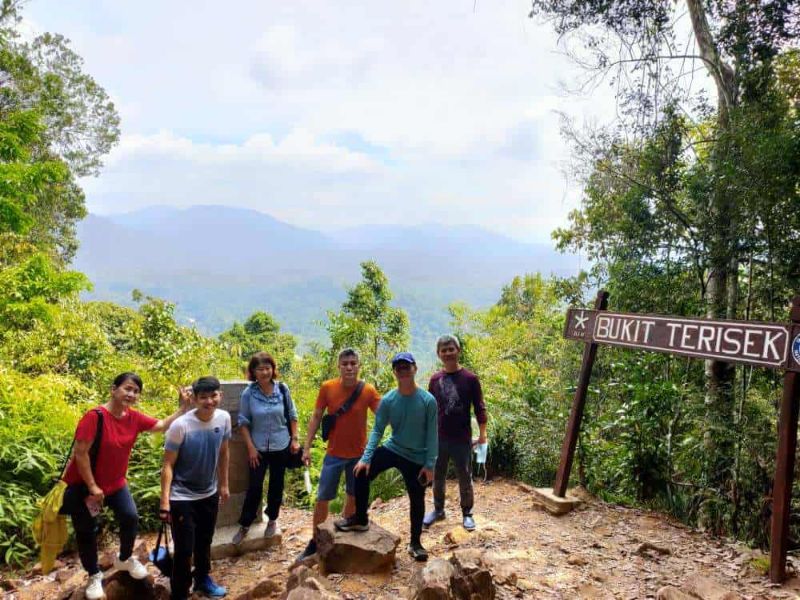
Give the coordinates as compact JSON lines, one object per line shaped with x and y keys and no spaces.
{"x":580,"y":321}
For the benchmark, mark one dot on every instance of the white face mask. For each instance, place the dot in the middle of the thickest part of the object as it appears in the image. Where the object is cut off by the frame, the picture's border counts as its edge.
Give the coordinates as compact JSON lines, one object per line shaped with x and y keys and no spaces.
{"x":481,"y":450}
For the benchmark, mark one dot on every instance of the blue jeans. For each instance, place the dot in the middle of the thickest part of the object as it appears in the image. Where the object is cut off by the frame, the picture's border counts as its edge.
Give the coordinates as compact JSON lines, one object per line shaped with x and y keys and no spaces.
{"x":85,"y":524}
{"x":332,"y":467}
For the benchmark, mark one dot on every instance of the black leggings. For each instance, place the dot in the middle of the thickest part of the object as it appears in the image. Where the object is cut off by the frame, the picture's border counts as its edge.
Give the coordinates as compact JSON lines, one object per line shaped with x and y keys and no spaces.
{"x":85,"y":524}
{"x":276,"y":461}
{"x":383,"y":460}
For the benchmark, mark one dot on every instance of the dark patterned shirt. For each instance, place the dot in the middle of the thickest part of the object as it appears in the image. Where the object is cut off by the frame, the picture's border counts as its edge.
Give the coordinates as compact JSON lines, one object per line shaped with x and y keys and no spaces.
{"x":454,"y":393}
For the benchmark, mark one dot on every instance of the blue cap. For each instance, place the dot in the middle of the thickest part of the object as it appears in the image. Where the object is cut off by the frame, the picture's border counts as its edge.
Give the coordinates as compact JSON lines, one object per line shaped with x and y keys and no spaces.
{"x":403,"y":357}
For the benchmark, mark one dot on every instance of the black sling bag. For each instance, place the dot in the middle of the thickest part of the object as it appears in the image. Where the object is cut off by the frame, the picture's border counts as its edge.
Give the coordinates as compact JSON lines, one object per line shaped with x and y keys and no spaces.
{"x":329,"y":421}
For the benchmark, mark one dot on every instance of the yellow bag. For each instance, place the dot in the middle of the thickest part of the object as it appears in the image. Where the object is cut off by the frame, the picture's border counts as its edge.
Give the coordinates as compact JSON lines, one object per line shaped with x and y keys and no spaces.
{"x":49,"y":527}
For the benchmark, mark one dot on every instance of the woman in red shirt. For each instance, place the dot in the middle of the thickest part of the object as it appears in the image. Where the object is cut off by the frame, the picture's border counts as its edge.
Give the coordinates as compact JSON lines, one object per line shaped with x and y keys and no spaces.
{"x":93,"y":481}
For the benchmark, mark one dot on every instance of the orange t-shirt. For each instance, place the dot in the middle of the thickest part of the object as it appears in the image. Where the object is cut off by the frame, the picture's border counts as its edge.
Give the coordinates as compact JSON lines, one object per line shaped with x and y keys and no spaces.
{"x":349,"y":437}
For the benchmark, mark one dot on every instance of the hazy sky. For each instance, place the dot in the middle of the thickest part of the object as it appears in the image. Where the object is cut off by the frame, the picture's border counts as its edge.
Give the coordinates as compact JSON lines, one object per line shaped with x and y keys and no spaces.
{"x":328,"y":114}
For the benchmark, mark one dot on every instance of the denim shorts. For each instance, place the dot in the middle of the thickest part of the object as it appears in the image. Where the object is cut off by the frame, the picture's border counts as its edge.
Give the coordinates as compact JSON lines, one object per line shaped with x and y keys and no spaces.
{"x":332,"y":468}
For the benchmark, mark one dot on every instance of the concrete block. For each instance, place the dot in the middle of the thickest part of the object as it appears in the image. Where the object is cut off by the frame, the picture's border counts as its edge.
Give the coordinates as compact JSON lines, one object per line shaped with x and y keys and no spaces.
{"x":222,"y":547}
{"x":545,"y":498}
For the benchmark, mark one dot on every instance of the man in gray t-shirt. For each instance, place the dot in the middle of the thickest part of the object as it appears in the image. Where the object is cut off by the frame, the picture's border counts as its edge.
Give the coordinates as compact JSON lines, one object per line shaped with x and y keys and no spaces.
{"x":194,"y":482}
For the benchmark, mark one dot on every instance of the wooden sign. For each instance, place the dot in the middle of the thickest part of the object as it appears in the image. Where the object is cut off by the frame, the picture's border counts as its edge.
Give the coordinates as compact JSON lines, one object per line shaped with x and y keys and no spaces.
{"x":768,"y":345}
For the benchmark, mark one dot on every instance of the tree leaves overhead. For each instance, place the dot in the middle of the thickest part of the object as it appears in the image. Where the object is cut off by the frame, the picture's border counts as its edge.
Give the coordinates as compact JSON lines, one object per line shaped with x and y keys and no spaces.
{"x":370,"y":324}
{"x":69,"y":125}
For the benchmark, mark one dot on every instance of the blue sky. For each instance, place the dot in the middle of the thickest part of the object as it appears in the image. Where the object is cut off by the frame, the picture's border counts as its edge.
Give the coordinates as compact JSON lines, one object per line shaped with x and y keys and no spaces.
{"x":327,"y":115}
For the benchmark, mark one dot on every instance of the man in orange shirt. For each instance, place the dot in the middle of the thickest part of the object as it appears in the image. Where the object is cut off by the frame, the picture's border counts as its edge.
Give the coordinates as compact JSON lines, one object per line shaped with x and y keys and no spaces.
{"x":347,"y":439}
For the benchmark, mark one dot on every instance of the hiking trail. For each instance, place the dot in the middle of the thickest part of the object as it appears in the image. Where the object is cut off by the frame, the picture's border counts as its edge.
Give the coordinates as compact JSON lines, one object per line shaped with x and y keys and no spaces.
{"x":598,"y":551}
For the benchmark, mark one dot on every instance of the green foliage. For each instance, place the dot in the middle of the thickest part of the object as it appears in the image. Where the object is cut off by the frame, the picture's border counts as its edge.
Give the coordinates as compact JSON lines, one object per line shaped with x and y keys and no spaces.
{"x":261,"y":332}
{"x":56,"y":123}
{"x":370,"y":324}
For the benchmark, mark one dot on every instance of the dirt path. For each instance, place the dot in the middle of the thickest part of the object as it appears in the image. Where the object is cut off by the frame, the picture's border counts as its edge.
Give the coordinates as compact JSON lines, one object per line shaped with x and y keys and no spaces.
{"x":593,"y":552}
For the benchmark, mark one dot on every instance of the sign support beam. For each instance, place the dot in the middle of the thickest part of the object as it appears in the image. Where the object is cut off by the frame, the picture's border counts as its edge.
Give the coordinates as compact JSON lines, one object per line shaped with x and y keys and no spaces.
{"x":784,"y":465}
{"x":578,"y":404}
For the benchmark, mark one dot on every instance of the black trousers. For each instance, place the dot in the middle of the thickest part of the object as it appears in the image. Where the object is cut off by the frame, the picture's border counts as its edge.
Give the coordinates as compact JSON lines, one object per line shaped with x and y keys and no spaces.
{"x":276,"y":462}
{"x":193,"y":523}
{"x":85,"y":524}
{"x":383,"y":460}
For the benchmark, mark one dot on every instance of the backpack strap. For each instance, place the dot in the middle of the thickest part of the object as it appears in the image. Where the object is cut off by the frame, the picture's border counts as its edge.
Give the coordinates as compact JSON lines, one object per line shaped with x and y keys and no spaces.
{"x":285,"y":397}
{"x":98,"y":435}
{"x":350,"y":401}
{"x":93,"y":450}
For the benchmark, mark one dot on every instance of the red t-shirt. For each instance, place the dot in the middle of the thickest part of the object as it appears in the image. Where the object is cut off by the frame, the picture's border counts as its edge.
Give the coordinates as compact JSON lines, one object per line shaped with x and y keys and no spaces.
{"x":115,"y":446}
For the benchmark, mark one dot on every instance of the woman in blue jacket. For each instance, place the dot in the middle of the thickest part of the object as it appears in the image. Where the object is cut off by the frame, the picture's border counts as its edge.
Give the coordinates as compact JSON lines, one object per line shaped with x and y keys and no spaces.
{"x":268,"y":423}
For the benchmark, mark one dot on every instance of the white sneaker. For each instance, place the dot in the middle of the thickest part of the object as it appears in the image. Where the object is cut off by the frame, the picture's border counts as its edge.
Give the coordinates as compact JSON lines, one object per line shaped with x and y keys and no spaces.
{"x":94,"y":591}
{"x":134,"y":568}
{"x":271,"y":529}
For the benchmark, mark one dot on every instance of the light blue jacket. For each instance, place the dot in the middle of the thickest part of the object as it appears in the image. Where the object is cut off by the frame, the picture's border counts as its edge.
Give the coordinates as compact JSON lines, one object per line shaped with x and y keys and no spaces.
{"x":264,"y":416}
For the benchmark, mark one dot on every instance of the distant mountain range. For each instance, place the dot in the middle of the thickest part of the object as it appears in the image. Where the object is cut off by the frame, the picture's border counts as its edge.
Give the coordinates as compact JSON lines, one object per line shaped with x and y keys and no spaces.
{"x":219,"y":264}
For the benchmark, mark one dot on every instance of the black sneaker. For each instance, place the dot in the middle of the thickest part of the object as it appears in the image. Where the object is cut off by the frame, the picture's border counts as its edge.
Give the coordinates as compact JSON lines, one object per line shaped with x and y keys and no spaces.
{"x":352,"y":523}
{"x":417,"y":552}
{"x":311,"y":550}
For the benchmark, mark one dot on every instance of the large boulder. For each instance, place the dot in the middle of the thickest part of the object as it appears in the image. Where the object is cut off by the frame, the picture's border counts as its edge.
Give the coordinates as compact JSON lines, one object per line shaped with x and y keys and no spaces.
{"x":466,"y":576}
{"x":472,"y":578}
{"x":432,"y":582}
{"x":355,"y":551}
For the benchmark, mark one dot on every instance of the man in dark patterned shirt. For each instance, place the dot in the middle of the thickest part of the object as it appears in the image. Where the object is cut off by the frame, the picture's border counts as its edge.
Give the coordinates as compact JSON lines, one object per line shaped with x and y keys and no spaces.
{"x":456,"y":389}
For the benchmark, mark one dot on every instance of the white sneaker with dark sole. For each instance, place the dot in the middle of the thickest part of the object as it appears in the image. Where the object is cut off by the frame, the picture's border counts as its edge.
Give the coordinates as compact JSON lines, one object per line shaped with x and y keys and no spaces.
{"x":134,"y":568}
{"x":94,"y":591}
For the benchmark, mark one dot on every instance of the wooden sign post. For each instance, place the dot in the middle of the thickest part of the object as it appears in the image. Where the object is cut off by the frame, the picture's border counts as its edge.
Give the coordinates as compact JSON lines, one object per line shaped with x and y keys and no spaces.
{"x":769,"y":345}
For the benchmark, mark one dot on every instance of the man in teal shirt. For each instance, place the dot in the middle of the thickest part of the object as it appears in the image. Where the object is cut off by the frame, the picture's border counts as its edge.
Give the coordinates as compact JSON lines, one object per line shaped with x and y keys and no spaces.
{"x":412,"y":448}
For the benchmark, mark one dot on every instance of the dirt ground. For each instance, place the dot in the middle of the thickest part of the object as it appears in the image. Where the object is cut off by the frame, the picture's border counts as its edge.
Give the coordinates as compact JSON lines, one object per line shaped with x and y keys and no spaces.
{"x":596,"y":551}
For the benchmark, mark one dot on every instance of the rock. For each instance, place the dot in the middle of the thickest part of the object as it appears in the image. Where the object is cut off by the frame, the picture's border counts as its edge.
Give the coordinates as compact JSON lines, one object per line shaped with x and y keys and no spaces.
{"x":505,"y":573}
{"x":645,"y":547}
{"x":456,"y":536}
{"x":672,"y":593}
{"x":708,"y":589}
{"x":64,"y":575}
{"x":308,"y":594}
{"x":587,"y":591}
{"x":37,"y":568}
{"x":576,"y":560}
{"x":305,"y":584}
{"x":472,"y":579}
{"x":355,"y":551}
{"x":263,"y":589}
{"x":118,"y":585}
{"x":432,"y":582}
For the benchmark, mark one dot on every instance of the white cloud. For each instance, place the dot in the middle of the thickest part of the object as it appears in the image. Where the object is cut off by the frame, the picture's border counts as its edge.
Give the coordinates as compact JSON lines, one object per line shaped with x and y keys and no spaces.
{"x":328,"y":114}
{"x":299,"y":149}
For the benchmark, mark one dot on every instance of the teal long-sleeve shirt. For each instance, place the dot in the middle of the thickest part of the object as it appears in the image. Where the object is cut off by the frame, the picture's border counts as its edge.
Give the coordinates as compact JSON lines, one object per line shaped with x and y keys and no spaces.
{"x":414,"y":425}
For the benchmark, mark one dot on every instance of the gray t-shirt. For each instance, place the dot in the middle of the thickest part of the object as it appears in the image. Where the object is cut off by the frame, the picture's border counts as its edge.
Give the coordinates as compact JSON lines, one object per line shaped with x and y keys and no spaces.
{"x":197,"y":443}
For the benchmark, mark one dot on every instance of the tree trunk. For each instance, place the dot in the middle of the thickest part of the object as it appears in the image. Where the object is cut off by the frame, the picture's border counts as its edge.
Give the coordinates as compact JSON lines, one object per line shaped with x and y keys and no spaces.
{"x":723,"y":282}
